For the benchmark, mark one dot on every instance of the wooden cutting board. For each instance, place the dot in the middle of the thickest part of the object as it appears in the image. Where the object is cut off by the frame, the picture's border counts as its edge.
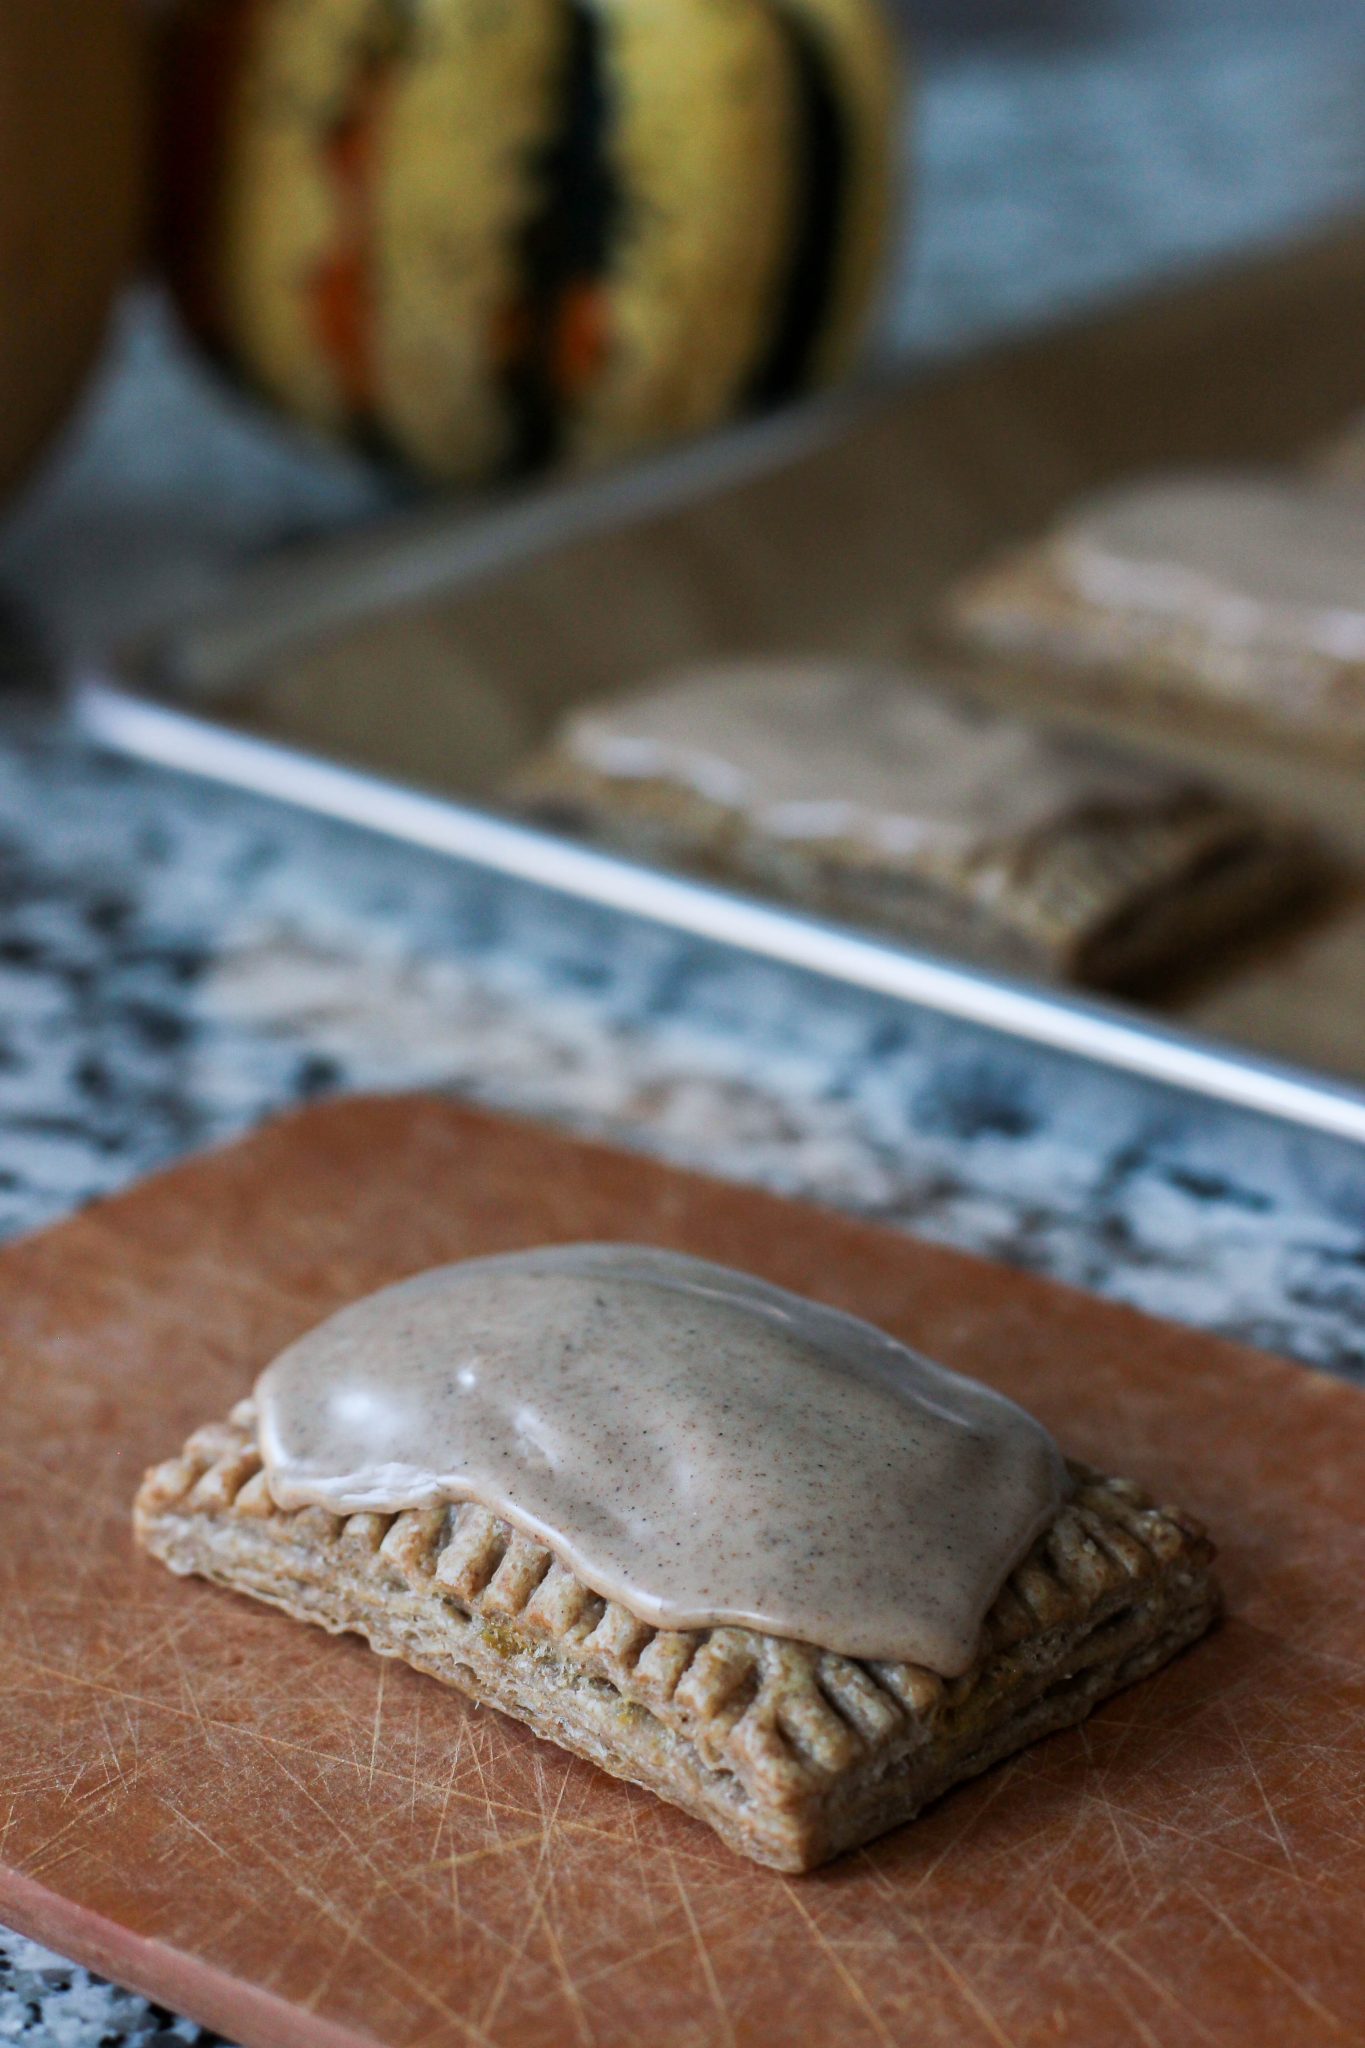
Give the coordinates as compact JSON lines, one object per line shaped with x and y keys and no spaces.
{"x":301,"y":1844}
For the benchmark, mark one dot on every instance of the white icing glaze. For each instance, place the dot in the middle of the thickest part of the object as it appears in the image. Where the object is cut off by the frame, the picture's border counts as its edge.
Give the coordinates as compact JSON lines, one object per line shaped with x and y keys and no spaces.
{"x":820,"y":751}
{"x":1249,"y":558}
{"x":698,"y":1445}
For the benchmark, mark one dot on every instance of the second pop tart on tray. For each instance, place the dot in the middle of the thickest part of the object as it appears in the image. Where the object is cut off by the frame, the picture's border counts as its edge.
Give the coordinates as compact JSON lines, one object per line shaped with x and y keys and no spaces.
{"x":878,"y":796}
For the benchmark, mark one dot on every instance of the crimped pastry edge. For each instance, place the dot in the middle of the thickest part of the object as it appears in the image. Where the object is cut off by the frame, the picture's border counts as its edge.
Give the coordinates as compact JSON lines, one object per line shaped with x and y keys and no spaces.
{"x":1109,"y":903}
{"x":789,"y":1752}
{"x":1020,"y":608}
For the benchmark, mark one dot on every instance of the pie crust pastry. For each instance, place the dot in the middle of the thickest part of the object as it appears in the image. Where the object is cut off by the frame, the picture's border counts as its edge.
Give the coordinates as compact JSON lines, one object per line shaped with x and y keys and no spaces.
{"x":792,"y":1754}
{"x":1109,"y":902}
{"x":1023,"y":608}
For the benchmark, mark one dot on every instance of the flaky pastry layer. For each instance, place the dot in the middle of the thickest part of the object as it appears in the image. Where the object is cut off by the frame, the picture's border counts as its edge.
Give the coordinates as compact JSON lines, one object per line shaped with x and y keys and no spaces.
{"x":1108,"y":901}
{"x":1024,"y":609}
{"x":790,"y":1752}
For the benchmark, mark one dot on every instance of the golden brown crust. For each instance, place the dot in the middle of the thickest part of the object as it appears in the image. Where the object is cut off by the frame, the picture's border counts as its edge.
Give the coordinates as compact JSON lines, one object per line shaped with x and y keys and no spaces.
{"x":1108,"y":901}
{"x":791,"y":1753}
{"x":1023,"y":609}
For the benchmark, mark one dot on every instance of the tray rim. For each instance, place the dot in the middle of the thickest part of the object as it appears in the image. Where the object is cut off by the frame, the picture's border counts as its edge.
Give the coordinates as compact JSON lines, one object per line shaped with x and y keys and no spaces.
{"x":117,"y":714}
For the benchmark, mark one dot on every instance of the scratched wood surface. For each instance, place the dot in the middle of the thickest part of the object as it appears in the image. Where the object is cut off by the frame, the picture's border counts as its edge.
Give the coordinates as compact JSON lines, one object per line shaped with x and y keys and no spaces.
{"x":304,"y":1845}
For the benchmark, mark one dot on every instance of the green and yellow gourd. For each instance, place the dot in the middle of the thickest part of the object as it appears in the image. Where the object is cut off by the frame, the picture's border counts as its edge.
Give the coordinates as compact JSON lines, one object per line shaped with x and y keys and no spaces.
{"x":484,"y":236}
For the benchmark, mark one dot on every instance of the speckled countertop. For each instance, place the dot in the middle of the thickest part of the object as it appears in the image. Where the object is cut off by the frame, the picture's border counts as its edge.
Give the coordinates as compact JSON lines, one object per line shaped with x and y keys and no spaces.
{"x":176,"y":962}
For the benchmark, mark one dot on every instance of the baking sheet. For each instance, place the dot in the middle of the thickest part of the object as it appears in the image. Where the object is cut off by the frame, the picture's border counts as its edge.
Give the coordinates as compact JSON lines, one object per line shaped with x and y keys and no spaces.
{"x":430,"y":657}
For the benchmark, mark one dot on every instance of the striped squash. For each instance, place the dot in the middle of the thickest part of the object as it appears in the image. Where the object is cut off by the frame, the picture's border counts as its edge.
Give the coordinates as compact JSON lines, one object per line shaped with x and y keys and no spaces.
{"x":486,"y":236}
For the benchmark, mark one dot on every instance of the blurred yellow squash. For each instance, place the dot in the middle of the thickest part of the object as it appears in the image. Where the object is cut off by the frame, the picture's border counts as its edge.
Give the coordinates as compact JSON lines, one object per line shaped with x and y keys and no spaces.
{"x":485,"y":236}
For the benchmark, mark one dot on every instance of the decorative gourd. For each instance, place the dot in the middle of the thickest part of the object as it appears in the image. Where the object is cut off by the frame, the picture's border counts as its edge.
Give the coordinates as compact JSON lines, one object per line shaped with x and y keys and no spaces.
{"x":70,"y":157}
{"x":487,"y":235}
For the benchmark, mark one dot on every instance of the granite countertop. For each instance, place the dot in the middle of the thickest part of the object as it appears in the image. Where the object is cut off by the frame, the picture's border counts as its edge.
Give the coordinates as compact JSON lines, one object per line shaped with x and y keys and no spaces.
{"x":177,"y":962}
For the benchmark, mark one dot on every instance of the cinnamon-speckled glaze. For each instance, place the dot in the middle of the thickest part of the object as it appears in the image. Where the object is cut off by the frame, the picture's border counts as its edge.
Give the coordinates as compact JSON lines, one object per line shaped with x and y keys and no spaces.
{"x":699,"y":1445}
{"x":1250,"y":555}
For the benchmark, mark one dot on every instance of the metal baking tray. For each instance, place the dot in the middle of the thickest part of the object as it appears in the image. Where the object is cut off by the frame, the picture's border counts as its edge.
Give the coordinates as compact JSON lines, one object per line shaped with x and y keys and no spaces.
{"x":388,"y":679}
